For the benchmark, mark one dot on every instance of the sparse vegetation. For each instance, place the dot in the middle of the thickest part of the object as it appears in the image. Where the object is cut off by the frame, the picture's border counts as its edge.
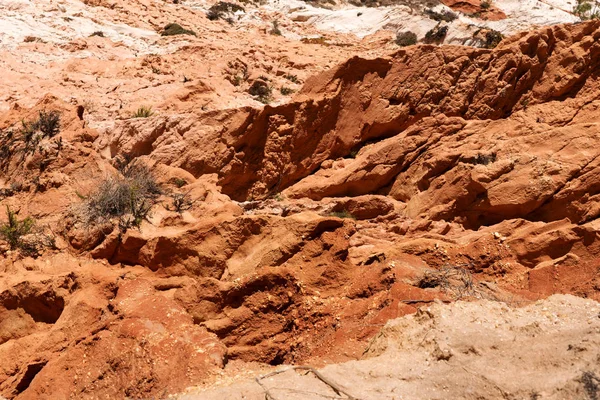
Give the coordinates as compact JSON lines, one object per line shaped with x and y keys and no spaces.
{"x":586,"y":10}
{"x":261,"y":90}
{"x":275,"y":30}
{"x":436,"y":35}
{"x":179,"y":182}
{"x":14,"y":230}
{"x":456,"y":281}
{"x":591,"y":384}
{"x":236,"y":72}
{"x":31,"y":39}
{"x":97,"y":33}
{"x":28,"y":130}
{"x":128,"y":197}
{"x":176,"y":29}
{"x":46,"y":126}
{"x":486,"y":5}
{"x":222,"y":9}
{"x":278,"y":197}
{"x":404,"y":39}
{"x":492,"y":39}
{"x":49,"y":123}
{"x":314,"y":40}
{"x":143,"y":112}
{"x":443,"y":16}
{"x":181,"y":202}
{"x":342,"y":214}
{"x":292,"y":78}
{"x":286,"y":91}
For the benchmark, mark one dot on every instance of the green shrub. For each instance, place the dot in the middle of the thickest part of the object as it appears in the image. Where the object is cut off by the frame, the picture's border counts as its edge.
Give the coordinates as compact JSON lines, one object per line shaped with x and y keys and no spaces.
{"x":404,"y":39}
{"x":261,"y":90}
{"x":586,"y":9}
{"x":176,"y":29}
{"x":143,"y":112}
{"x":97,"y":33}
{"x":486,"y":5}
{"x":292,"y":78}
{"x":493,"y":39}
{"x":14,"y":230}
{"x":286,"y":91}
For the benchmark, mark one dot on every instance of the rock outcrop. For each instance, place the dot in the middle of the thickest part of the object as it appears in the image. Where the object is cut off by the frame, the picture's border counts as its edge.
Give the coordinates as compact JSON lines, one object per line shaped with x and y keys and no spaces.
{"x":292,"y":233}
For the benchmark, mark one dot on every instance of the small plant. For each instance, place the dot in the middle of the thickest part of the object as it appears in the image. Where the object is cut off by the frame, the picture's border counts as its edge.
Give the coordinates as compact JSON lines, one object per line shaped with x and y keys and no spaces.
{"x":404,"y":39}
{"x":493,"y":39}
{"x":49,"y":123}
{"x":31,"y":39}
{"x":278,"y":197}
{"x":275,"y":30}
{"x":179,"y":182}
{"x":97,"y":33}
{"x":265,"y":99}
{"x":314,"y":40}
{"x":143,"y":112}
{"x":586,"y":10}
{"x":236,"y":72}
{"x":221,"y":10}
{"x":485,"y":159}
{"x":486,"y":5}
{"x":342,"y":214}
{"x":436,"y":35}
{"x":181,"y":202}
{"x":46,"y":126}
{"x":128,"y":197}
{"x":443,"y":16}
{"x":591,"y":384}
{"x":292,"y":78}
{"x":261,"y":90}
{"x":176,"y":29}
{"x":28,"y":130}
{"x":13,"y":231}
{"x":286,"y":91}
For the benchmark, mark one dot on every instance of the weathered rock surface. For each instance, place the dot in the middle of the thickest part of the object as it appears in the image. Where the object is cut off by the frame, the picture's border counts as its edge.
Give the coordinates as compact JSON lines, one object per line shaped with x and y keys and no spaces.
{"x":448,"y":173}
{"x":547,"y":350}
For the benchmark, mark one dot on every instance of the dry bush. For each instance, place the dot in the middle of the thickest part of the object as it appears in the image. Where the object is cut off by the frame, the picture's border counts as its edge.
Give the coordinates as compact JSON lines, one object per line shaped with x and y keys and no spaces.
{"x":128,"y":197}
{"x":222,"y":9}
{"x":456,"y":281}
{"x":492,"y":39}
{"x":404,"y":39}
{"x":436,"y":35}
{"x":181,"y":202}
{"x":442,"y":16}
